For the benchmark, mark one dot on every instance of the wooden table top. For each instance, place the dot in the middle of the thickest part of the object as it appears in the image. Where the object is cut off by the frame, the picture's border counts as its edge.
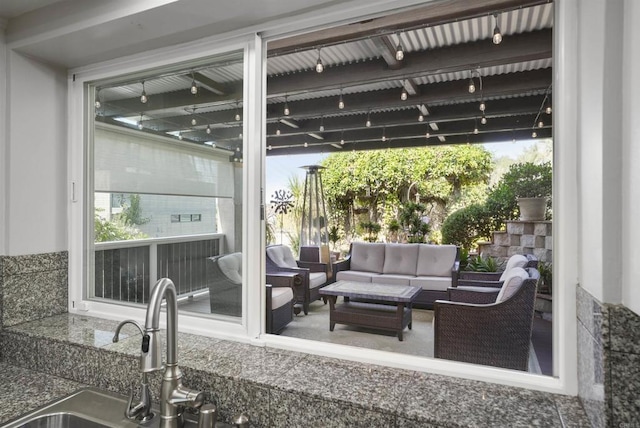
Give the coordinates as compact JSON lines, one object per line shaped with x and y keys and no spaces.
{"x":372,"y":291}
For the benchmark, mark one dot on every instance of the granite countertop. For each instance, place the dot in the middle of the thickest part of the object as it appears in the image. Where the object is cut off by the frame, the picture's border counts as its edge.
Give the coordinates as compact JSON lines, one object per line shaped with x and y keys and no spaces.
{"x":387,"y":395}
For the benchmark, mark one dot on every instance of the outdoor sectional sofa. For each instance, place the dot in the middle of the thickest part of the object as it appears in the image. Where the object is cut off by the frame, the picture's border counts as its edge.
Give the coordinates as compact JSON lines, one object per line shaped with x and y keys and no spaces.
{"x":434,"y":268}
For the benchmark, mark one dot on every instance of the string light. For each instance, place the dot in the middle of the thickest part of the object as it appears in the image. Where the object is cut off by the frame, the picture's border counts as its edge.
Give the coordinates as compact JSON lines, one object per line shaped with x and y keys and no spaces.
{"x":140,"y":122}
{"x":540,"y":124}
{"x":306,"y":144}
{"x":97,"y":103}
{"x":384,"y":137}
{"x":194,"y":87}
{"x":180,"y":136}
{"x":399,"y":50}
{"x":548,"y":109}
{"x":404,"y":94}
{"x":497,"y":35}
{"x":143,"y":96}
{"x":321,"y":124}
{"x":319,"y":65}
{"x":341,"y":101}
{"x":368,"y":122}
{"x":208,"y":129}
{"x":420,"y":118}
{"x":483,"y":106}
{"x":278,"y":131}
{"x":483,"y":120}
{"x":286,"y":106}
{"x":472,"y":85}
{"x":475,"y":129}
{"x":237,"y":117}
{"x":427,"y":135}
{"x":534,"y":134}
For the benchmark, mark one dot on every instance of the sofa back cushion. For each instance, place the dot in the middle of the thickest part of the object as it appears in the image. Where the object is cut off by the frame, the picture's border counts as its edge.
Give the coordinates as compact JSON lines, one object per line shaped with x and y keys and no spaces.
{"x":231,"y":266}
{"x":368,"y":257}
{"x":282,"y":256}
{"x":435,"y":260}
{"x":400,"y":258}
{"x":512,"y":283}
{"x":517,"y":260}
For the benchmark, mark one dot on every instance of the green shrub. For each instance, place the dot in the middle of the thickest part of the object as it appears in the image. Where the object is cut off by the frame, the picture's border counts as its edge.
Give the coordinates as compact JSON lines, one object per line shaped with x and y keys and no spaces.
{"x":523,"y":180}
{"x":467,"y":226}
{"x":483,"y":264}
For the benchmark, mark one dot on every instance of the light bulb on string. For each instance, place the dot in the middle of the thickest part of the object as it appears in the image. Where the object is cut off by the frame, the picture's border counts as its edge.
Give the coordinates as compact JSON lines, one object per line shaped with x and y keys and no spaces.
{"x":540,"y":124}
{"x":319,"y":65}
{"x":140,"y":122}
{"x":306,"y":144}
{"x":194,"y":87}
{"x":404,"y":95}
{"x":208,"y":129}
{"x":143,"y":96}
{"x":384,"y":137}
{"x":483,"y":120}
{"x":278,"y":131}
{"x":534,"y":134}
{"x":420,"y":118}
{"x":368,"y":122}
{"x":180,"y":136}
{"x":472,"y":85}
{"x":399,"y":50}
{"x":548,"y":110}
{"x":321,"y":128}
{"x":237,"y":117}
{"x":98,"y":104}
{"x":427,"y":135}
{"x":497,"y":35}
{"x":483,"y":106}
{"x":286,"y":107}
{"x":340,"y":101}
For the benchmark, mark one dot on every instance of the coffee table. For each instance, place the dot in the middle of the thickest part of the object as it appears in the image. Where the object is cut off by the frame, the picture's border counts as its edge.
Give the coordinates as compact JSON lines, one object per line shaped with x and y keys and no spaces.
{"x":390,"y":308}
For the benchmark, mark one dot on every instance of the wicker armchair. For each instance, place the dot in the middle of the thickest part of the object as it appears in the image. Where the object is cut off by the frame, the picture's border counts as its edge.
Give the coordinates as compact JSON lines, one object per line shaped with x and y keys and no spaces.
{"x":314,"y":274}
{"x":495,"y":334}
{"x":489,"y":279}
{"x":279,"y":302}
{"x":225,"y":284}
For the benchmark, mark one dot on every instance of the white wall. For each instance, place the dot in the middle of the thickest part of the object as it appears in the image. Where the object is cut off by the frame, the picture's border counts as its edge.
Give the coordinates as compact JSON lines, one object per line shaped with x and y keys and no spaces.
{"x":36,"y":191}
{"x":3,"y":134}
{"x":631,"y":157}
{"x":600,"y":146}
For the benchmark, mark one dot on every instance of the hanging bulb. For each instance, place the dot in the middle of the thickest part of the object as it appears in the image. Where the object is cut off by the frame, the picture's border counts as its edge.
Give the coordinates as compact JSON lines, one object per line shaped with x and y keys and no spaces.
{"x":427,"y":135}
{"x":342,"y":141}
{"x":497,"y":35}
{"x":534,"y":134}
{"x":180,"y":136}
{"x":306,"y":144}
{"x":548,"y":110}
{"x":140,"y":122}
{"x":404,"y":95}
{"x":286,"y":107}
{"x":208,"y":129}
{"x":237,"y":116}
{"x":321,"y":128}
{"x":319,"y":66}
{"x":384,"y":137}
{"x":483,"y":106}
{"x":269,"y":147}
{"x":194,"y":87}
{"x":399,"y":51}
{"x":278,"y":131}
{"x":420,"y":118}
{"x":475,"y":130}
{"x":143,"y":96}
{"x":340,"y":102}
{"x":472,"y":86}
{"x":368,"y":123}
{"x":483,"y":120}
{"x":97,"y":103}
{"x":193,"y":121}
{"x":540,"y":124}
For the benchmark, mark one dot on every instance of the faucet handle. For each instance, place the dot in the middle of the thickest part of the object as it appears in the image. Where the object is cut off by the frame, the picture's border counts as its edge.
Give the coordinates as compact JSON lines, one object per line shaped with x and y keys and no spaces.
{"x":207,"y":416}
{"x":142,"y":410}
{"x":241,"y":421}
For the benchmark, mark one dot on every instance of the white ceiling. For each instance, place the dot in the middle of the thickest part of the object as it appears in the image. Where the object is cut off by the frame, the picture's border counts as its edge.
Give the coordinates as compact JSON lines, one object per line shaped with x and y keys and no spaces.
{"x":72,"y":33}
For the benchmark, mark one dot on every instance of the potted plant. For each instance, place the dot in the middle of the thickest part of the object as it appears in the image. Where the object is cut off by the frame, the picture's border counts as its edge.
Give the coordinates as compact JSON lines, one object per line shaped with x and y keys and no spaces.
{"x":393,"y":228}
{"x":415,"y":223}
{"x":334,"y":237}
{"x":371,"y":230}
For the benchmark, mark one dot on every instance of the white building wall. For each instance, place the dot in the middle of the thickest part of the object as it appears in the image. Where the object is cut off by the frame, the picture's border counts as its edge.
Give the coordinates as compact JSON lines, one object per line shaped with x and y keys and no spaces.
{"x":36,"y":157}
{"x":630,"y":189}
{"x":3,"y":134}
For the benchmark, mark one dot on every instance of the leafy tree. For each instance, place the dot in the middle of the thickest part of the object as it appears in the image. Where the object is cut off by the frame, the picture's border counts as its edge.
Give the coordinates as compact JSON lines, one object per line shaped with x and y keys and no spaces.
{"x":131,"y":213}
{"x":115,"y":230}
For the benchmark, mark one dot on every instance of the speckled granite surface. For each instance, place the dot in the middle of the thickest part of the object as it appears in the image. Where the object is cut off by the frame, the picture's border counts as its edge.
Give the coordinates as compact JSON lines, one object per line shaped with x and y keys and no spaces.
{"x":33,"y":286}
{"x":280,"y":388}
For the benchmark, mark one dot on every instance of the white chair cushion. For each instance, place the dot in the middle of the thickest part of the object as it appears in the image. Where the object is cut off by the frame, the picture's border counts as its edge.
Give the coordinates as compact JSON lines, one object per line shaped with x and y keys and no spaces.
{"x":433,"y":283}
{"x":355,"y":275}
{"x":367,"y":257}
{"x":282,"y":256}
{"x":517,"y":260}
{"x":435,"y":260}
{"x":316,"y":279}
{"x":513,"y":281}
{"x":231,"y":267}
{"x":400,"y":259}
{"x":280,"y":296}
{"x":392,"y":279}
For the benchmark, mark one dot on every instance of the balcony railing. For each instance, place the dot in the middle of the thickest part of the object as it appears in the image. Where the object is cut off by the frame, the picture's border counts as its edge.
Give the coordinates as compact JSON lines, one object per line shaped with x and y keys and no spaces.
{"x":126,"y":270}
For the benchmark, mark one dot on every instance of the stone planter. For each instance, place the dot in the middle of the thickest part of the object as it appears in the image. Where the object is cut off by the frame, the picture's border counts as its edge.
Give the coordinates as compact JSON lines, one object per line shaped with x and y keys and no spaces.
{"x":532,"y":209}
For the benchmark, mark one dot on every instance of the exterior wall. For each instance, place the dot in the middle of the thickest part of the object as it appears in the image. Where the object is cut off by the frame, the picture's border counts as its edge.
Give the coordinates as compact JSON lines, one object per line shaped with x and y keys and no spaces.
{"x":33,"y":287}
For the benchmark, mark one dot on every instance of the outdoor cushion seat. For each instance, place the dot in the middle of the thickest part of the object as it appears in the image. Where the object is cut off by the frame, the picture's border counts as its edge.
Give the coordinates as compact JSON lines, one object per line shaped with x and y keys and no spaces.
{"x":496,"y":333}
{"x":431,"y":283}
{"x":314,"y":274}
{"x":392,"y":279}
{"x":355,"y":275}
{"x":224,"y":278}
{"x":281,"y":296}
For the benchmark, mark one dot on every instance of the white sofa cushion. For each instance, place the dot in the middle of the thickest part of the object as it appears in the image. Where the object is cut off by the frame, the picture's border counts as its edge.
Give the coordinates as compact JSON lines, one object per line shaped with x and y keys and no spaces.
{"x":400,"y":259}
{"x":435,"y":260}
{"x":433,"y":283}
{"x":392,"y":279}
{"x":231,"y":266}
{"x":282,"y":256}
{"x":316,"y":279}
{"x":355,"y":275}
{"x":280,"y":296}
{"x":367,"y":257}
{"x":517,"y":260}
{"x":514,"y":279}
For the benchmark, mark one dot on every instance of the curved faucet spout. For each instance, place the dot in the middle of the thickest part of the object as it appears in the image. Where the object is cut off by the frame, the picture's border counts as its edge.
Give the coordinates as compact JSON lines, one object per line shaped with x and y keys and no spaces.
{"x":164,"y":288}
{"x":116,"y":336}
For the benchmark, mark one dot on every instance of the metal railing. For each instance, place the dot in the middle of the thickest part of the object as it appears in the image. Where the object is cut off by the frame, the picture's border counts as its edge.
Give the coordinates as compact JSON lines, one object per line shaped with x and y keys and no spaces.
{"x":126,"y":270}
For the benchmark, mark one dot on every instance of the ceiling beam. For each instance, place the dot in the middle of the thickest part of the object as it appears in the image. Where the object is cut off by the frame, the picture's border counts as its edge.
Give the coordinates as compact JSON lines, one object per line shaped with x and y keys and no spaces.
{"x":524,"y":47}
{"x":387,"y":51}
{"x":435,"y":13}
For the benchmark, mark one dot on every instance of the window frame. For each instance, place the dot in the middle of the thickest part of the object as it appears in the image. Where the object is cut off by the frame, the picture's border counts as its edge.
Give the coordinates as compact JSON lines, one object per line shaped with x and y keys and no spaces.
{"x":251,"y":328}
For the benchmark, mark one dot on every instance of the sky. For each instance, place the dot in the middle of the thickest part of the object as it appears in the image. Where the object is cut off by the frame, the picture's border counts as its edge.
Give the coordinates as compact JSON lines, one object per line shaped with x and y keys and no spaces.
{"x":281,"y":168}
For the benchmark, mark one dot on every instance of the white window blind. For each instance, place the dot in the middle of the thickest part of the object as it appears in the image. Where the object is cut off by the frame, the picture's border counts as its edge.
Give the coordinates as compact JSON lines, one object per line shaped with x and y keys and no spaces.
{"x":127,"y":161}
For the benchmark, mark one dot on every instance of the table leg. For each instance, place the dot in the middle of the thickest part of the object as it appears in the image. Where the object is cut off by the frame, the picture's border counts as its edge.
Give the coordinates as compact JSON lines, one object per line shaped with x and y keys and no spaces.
{"x":332,"y":307}
{"x":399,"y":317}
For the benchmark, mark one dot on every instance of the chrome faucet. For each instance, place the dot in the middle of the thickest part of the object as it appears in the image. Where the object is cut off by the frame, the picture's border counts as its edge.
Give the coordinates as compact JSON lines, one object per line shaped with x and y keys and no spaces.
{"x":174,"y":397}
{"x":142,"y":410}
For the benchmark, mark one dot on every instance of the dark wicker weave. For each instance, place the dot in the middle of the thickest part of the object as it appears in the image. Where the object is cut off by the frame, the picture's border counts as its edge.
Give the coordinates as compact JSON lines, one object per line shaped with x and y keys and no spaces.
{"x":303,"y":294}
{"x":225,"y":295}
{"x":497,"y":334}
{"x":473,"y":294}
{"x":277,"y":319}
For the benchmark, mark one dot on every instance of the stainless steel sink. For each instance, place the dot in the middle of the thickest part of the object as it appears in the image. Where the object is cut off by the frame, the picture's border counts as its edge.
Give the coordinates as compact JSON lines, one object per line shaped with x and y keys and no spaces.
{"x":86,"y":408}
